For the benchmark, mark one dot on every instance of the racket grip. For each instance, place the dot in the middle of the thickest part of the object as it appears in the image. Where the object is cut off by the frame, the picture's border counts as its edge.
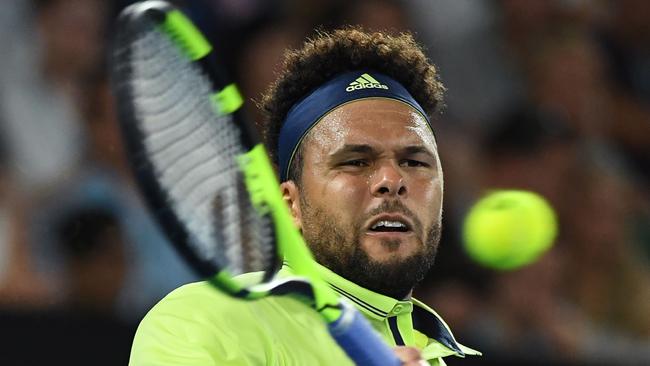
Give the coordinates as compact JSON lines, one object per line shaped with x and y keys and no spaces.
{"x":360,"y":341}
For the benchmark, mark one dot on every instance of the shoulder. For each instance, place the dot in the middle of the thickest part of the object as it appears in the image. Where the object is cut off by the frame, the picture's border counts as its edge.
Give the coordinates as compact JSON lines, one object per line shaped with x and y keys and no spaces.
{"x":193,"y":325}
{"x":200,"y":293}
{"x":198,"y":325}
{"x":196,"y":307}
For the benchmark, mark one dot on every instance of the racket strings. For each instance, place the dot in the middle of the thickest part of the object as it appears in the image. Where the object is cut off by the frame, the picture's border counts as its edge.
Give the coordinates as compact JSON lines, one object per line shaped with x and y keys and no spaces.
{"x":193,"y":154}
{"x":256,"y":229}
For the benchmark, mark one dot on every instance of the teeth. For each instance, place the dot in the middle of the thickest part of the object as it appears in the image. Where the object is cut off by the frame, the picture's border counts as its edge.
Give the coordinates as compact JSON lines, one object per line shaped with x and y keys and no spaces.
{"x":388,"y":224}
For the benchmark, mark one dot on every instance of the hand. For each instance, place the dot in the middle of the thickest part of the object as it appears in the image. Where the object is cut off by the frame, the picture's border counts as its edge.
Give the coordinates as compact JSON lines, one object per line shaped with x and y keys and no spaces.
{"x":410,"y":356}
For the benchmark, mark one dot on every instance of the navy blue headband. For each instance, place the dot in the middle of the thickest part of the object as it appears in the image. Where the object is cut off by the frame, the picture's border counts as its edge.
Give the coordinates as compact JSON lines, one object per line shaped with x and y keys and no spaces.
{"x":343,"y":88}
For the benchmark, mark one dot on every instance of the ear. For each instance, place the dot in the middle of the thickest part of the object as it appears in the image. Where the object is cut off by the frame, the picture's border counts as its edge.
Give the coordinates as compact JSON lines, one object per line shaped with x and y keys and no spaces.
{"x":291,"y":196}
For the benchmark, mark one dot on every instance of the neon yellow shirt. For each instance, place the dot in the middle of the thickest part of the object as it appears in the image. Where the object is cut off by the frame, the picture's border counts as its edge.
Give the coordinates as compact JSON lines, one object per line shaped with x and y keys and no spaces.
{"x":198,"y":325}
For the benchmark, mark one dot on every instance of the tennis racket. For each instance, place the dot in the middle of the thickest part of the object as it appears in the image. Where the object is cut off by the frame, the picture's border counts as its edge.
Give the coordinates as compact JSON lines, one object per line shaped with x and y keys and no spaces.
{"x":205,"y":175}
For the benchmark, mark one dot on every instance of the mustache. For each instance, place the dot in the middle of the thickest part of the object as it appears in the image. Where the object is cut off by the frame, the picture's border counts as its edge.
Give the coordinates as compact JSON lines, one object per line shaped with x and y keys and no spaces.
{"x":392,"y":207}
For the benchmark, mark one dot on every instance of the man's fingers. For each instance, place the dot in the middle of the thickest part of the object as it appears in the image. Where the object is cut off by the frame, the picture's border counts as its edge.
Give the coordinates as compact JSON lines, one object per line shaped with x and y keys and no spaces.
{"x":416,"y":363}
{"x":410,"y":356}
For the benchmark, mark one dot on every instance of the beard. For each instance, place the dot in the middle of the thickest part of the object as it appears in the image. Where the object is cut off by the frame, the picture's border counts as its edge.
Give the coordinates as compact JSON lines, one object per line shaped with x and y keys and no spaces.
{"x":337,"y":246}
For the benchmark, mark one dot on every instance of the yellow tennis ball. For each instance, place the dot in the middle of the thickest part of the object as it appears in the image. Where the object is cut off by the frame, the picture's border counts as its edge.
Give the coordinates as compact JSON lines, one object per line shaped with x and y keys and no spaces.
{"x":508,"y":229}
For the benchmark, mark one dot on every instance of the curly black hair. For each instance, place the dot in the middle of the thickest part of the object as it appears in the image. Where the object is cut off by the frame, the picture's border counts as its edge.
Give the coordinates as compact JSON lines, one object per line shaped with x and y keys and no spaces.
{"x":348,"y":49}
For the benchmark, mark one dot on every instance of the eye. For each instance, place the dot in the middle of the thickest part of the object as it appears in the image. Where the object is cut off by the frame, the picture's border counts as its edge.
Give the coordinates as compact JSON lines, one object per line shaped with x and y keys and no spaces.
{"x":355,"y":163}
{"x":414,"y":163}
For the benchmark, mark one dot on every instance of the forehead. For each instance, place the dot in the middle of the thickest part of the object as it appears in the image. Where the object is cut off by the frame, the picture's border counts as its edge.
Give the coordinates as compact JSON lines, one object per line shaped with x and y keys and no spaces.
{"x":384,"y":123}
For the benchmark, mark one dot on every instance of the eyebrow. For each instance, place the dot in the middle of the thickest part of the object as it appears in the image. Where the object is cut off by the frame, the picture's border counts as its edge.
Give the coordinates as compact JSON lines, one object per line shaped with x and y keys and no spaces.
{"x":417,"y":149}
{"x":355,"y":148}
{"x":367,"y":149}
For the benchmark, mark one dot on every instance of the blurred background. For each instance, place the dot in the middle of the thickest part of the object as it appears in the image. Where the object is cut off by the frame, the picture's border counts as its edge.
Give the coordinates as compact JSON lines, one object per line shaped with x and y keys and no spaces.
{"x":551,"y":96}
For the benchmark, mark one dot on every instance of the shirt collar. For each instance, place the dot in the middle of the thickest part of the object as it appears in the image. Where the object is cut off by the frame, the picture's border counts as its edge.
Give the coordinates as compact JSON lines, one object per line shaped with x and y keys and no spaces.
{"x":380,"y":307}
{"x":372,"y":304}
{"x":427,"y":321}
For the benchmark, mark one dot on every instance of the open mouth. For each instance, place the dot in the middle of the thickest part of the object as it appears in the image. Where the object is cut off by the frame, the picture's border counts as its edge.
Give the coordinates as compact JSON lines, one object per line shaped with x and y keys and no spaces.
{"x":390,"y":226}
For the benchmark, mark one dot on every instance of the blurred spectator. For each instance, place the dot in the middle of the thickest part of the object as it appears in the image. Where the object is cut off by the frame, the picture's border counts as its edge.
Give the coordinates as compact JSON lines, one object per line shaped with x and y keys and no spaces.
{"x":93,"y":246}
{"x":524,"y":23}
{"x":261,"y":58}
{"x":378,"y":15}
{"x":155,"y":268}
{"x":43,"y":84}
{"x":530,"y":148}
{"x":106,"y":178}
{"x":567,"y":78}
{"x":625,"y":41}
{"x":84,"y":329}
{"x":312,"y":14}
{"x":606,"y":265}
{"x":625,"y":38}
{"x":19,"y":284}
{"x":102,"y":177}
{"x":465,"y":40}
{"x":525,"y":318}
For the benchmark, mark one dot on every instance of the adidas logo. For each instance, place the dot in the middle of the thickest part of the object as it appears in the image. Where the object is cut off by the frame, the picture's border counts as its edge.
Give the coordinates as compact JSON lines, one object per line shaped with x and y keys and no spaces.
{"x":365,"y":81}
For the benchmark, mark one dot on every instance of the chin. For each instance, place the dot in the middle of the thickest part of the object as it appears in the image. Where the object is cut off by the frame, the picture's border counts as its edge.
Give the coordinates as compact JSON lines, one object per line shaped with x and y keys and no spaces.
{"x":386,"y":250}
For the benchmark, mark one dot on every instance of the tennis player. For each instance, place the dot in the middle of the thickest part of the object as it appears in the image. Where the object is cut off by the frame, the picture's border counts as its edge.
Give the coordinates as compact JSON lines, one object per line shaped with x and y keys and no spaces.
{"x":349,"y":126}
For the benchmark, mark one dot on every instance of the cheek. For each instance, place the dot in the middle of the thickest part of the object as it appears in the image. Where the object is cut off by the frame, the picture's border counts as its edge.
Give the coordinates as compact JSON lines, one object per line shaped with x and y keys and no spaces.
{"x":344,"y":194}
{"x":431,"y":192}
{"x":345,"y":186}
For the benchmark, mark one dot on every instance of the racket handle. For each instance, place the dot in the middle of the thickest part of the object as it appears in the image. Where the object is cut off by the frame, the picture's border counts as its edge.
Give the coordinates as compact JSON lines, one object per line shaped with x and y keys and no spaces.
{"x":360,"y":341}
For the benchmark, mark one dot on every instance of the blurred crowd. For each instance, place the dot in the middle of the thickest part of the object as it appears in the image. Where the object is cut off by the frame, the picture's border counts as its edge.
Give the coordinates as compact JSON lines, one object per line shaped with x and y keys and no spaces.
{"x":551,"y":96}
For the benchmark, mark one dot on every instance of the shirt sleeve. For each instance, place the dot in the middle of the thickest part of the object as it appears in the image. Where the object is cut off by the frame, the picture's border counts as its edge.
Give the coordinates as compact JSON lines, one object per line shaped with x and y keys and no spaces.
{"x":181,"y":330}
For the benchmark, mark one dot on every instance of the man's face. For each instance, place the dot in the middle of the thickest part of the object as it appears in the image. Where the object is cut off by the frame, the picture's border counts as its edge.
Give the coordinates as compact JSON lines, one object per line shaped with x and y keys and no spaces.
{"x":370,"y":199}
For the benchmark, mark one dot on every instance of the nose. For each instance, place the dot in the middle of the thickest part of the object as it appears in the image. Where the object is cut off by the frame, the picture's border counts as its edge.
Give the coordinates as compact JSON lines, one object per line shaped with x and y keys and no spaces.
{"x":387,"y":180}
